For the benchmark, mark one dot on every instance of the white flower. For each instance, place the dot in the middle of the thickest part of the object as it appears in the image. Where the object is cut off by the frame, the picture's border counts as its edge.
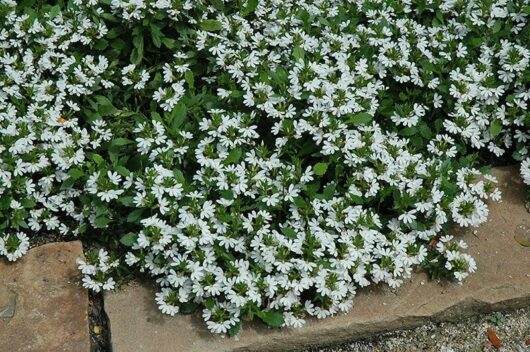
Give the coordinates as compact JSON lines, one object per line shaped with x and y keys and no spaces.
{"x":408,"y":217}
{"x":525,"y":170}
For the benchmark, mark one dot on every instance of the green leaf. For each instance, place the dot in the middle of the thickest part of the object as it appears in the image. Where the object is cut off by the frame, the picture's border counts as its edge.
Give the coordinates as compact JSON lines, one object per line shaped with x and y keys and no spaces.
{"x":26,"y":3}
{"x":97,"y":159}
{"x":475,"y":42}
{"x":114,"y":33}
{"x":28,"y":203}
{"x":251,"y":7}
{"x":361,"y":118}
{"x":188,"y":307}
{"x":417,"y":141}
{"x":497,"y":27}
{"x":189,"y":78}
{"x":127,"y":201}
{"x":169,"y":43}
{"x":121,"y":141}
{"x":101,"y":209}
{"x":224,"y":217}
{"x":69,"y":182}
{"x":129,"y":239}
{"x":210,"y":303}
{"x":211,"y":25}
{"x":356,"y":199}
{"x":438,"y":125}
{"x":234,"y":329}
{"x":54,"y":11}
{"x":271,"y":318}
{"x":5,"y":202}
{"x":425,"y":131}
{"x":118,"y":44}
{"x":156,"y":35}
{"x":329,"y":191}
{"x":179,"y":176}
{"x":486,"y":169}
{"x":22,"y":223}
{"x":110,"y":17}
{"x":289,"y":232}
{"x":495,"y":128}
{"x":227,"y":194}
{"x":298,"y":53}
{"x":440,"y":16}
{"x":324,"y":21}
{"x":102,"y":221}
{"x":178,"y":116}
{"x":408,"y":131}
{"x":320,"y":169}
{"x":427,"y":65}
{"x":301,"y":203}
{"x":104,"y":106}
{"x":137,"y":53}
{"x":101,"y":44}
{"x":122,"y":170}
{"x":218,"y":4}
{"x":233,"y":156}
{"x":138,"y":40}
{"x":134,"y":215}
{"x":75,"y":173}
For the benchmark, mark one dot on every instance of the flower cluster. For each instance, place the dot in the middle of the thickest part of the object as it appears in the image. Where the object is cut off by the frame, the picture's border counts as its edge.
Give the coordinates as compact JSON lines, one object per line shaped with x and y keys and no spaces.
{"x":259,"y":158}
{"x":42,"y":141}
{"x":14,"y":246}
{"x":98,"y":269}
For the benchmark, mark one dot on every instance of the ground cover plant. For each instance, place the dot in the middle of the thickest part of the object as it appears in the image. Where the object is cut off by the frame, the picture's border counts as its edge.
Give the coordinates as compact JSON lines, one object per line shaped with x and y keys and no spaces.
{"x":259,"y":159}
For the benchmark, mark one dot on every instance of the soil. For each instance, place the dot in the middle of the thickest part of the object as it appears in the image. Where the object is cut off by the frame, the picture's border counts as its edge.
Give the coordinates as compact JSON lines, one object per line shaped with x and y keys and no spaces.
{"x":47,"y":237}
{"x":98,"y":324}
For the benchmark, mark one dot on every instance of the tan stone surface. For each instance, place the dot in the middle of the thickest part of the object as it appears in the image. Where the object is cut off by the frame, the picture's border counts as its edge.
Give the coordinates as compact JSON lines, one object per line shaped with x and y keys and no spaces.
{"x":44,"y":306}
{"x":502,"y":282}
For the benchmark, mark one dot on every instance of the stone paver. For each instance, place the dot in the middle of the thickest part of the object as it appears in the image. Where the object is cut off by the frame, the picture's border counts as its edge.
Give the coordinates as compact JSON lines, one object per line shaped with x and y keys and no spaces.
{"x":42,"y":305}
{"x":502,"y":282}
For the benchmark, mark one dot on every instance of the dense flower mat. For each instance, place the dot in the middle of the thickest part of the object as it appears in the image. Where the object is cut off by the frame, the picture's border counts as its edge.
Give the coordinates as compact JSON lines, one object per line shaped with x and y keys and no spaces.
{"x":259,"y":158}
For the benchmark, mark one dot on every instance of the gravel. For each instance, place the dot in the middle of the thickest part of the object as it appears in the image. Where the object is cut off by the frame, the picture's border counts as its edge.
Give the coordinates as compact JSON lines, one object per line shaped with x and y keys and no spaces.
{"x":467,"y":335}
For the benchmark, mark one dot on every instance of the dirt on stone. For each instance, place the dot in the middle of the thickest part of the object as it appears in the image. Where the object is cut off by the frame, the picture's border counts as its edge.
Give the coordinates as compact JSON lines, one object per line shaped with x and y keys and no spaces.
{"x":467,"y":335}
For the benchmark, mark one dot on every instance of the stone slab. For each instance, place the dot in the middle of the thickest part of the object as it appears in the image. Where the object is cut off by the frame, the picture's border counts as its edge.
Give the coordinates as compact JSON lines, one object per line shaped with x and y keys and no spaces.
{"x":43,"y":307}
{"x":502,"y":282}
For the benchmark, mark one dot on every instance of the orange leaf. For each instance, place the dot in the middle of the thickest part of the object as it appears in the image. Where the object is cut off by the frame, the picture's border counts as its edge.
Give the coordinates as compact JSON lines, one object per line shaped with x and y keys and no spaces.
{"x":492,"y":336}
{"x":433,"y":242}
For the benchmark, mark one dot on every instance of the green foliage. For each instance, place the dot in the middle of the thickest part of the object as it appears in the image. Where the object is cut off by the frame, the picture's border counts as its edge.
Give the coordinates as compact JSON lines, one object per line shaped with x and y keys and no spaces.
{"x":273,"y":319}
{"x":496,"y":319}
